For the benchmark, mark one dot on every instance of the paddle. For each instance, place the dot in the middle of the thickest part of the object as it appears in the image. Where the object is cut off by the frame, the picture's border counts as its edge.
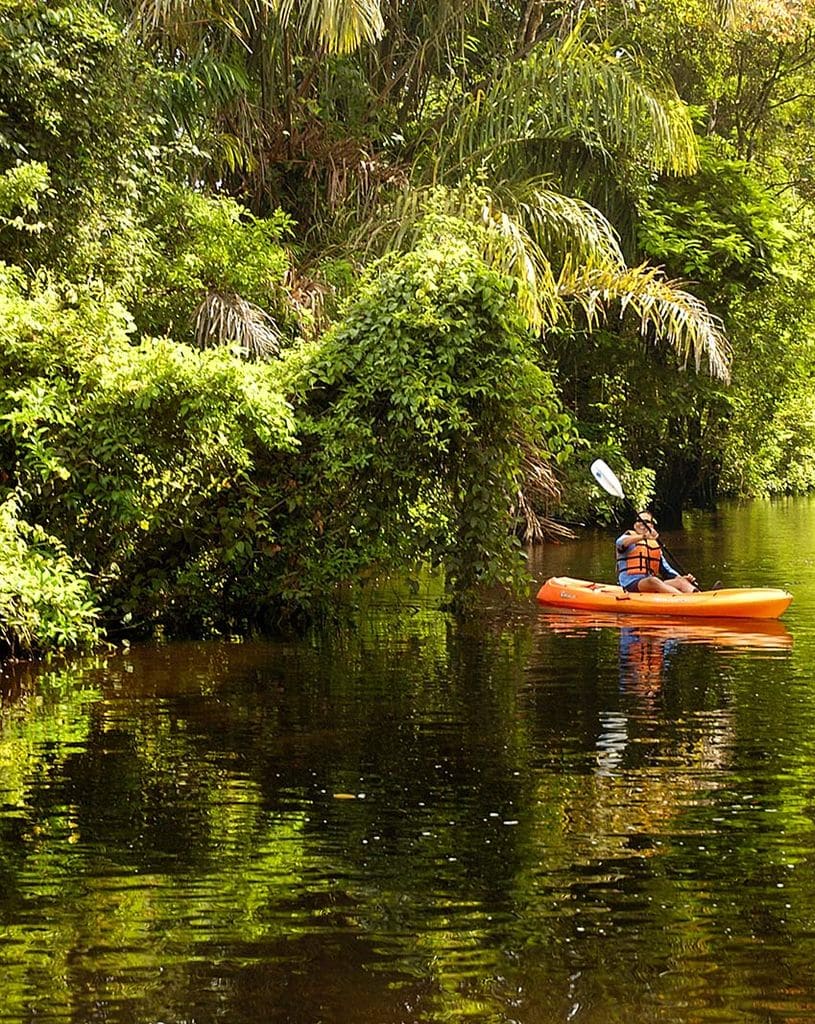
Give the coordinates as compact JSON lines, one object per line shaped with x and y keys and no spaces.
{"x":606,"y":478}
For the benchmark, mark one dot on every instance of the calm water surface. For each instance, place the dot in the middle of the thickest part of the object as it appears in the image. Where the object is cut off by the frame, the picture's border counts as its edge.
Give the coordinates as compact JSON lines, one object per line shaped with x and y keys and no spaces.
{"x":535,"y":817}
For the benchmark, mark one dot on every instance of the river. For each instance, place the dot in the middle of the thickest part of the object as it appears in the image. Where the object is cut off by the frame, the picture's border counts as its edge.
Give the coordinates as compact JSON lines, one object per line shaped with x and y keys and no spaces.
{"x":531,"y":817}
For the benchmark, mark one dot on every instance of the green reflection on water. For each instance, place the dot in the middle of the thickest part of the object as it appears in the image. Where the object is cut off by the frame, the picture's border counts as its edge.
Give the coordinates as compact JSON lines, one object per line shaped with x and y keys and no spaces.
{"x":526,"y":818}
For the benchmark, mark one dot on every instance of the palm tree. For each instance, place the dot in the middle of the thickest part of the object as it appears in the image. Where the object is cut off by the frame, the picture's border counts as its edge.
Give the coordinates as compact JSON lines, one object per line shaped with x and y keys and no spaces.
{"x":293,"y":103}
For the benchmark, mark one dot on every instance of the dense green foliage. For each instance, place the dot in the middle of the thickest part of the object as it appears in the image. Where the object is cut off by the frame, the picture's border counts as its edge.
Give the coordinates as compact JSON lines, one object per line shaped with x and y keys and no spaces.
{"x":45,"y":602}
{"x":204,"y":250}
{"x":138,"y":456}
{"x":201,"y":491}
{"x":421,"y":401}
{"x":455,"y":245}
{"x":75,"y":96}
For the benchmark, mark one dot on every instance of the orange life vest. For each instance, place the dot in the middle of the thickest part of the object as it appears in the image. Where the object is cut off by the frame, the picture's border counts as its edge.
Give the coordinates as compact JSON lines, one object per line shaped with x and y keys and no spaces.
{"x":644,"y":558}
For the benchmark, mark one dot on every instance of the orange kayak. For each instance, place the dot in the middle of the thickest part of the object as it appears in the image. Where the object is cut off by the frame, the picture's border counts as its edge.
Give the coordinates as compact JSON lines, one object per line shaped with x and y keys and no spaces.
{"x":737,"y":603}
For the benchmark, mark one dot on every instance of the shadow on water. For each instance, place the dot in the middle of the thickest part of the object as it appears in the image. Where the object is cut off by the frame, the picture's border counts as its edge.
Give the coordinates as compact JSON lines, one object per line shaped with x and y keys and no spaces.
{"x":530,"y":817}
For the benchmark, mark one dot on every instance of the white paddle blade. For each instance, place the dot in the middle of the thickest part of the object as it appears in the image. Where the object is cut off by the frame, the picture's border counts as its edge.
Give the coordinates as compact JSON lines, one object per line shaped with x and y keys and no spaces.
{"x":606,"y":478}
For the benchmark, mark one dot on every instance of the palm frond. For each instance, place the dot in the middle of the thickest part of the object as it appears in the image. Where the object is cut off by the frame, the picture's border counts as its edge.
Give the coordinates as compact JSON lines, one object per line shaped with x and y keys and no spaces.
{"x":199,"y":87}
{"x":223,"y":318}
{"x":559,"y":250}
{"x":568,"y":87}
{"x":674,"y":314}
{"x":560,"y":223}
{"x":538,"y":492}
{"x":726,"y":11}
{"x":421,"y":42}
{"x":510,"y":247}
{"x":527,"y":230}
{"x":340,"y":26}
{"x":185,"y":24}
{"x":308,"y":296}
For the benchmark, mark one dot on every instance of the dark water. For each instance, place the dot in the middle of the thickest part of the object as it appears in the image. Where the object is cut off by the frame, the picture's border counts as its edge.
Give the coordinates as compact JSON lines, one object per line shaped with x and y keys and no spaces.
{"x":535,"y":817}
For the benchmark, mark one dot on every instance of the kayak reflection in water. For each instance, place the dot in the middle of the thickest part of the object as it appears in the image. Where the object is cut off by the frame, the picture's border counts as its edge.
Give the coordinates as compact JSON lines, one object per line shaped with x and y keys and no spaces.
{"x":643,"y":658}
{"x":641,"y":564}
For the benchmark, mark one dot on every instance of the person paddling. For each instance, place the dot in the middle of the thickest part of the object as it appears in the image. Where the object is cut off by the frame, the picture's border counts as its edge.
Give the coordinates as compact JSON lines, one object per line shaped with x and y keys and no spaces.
{"x":641,"y":565}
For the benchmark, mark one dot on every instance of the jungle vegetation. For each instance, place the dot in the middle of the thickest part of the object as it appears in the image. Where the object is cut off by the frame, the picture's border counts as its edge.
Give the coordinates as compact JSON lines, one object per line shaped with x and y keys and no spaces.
{"x":292,"y":293}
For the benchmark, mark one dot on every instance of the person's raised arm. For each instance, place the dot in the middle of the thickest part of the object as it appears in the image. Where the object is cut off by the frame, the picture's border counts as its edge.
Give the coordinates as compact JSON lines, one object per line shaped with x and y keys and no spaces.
{"x":641,"y":529}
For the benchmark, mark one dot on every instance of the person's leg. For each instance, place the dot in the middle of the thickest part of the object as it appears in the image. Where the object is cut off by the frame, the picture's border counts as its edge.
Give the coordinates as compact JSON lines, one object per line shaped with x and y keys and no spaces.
{"x":680,"y":584}
{"x":654,"y":585}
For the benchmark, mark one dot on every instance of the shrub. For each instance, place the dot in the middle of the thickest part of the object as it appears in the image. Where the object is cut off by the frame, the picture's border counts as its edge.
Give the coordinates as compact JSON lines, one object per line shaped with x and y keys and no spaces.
{"x":146,"y":461}
{"x":413,"y":415}
{"x":204,"y":248}
{"x":45,"y":603}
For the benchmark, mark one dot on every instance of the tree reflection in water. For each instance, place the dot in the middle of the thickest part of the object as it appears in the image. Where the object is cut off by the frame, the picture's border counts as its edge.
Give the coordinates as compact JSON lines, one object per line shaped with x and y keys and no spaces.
{"x":414,"y":821}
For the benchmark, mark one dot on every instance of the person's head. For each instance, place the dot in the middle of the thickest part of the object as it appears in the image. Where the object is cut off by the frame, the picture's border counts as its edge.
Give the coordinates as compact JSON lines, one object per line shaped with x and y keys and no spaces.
{"x":645,"y":521}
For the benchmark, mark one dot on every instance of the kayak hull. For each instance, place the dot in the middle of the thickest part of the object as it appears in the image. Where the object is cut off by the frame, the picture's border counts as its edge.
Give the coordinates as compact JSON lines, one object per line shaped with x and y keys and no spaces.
{"x":737,"y":603}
